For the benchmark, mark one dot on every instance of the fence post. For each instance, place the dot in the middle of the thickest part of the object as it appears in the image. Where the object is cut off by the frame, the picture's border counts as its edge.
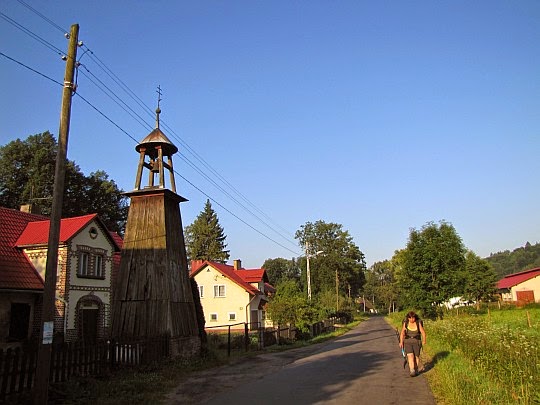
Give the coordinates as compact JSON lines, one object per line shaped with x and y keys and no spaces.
{"x":229,"y":342}
{"x":5,"y":373}
{"x":246,"y":336}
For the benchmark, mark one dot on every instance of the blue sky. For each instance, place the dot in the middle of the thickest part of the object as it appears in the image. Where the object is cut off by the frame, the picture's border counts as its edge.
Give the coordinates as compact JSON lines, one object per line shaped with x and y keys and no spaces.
{"x":380,"y":116}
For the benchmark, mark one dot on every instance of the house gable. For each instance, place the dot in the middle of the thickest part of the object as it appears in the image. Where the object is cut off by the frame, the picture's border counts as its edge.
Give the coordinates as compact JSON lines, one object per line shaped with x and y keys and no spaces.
{"x":222,"y":298}
{"x":241,"y":300}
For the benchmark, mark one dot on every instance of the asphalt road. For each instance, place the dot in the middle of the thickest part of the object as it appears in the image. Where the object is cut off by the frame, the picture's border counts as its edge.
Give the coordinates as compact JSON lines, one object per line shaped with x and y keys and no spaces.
{"x":363,"y":366}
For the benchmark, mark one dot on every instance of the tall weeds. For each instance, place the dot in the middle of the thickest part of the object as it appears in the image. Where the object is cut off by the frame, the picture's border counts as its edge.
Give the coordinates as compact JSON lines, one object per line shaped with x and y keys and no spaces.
{"x":489,"y":357}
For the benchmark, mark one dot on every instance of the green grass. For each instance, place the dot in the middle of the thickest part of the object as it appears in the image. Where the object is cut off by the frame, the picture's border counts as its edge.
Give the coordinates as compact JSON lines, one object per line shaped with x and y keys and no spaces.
{"x":484,"y":357}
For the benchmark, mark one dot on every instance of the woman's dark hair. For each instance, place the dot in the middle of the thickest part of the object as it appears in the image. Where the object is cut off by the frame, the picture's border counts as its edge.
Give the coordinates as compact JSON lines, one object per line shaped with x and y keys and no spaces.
{"x":412,"y":314}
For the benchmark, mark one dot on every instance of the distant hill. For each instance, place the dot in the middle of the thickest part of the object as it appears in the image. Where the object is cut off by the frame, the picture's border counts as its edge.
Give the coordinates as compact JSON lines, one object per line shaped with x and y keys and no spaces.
{"x":522,"y":258}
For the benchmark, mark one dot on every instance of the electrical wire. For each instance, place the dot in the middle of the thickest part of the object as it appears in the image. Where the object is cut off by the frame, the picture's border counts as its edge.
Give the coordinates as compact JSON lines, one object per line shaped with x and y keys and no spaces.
{"x":178,"y":174}
{"x":65,"y":32}
{"x":32,"y":34}
{"x":142,"y":122}
{"x":29,"y":68}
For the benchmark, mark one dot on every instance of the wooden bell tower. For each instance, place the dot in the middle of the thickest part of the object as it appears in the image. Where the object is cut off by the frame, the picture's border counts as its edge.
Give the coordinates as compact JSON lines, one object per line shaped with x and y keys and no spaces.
{"x":153,"y":295}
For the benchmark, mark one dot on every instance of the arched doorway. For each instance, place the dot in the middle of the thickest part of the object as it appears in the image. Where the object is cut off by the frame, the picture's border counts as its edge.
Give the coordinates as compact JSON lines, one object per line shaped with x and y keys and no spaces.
{"x":90,"y":319}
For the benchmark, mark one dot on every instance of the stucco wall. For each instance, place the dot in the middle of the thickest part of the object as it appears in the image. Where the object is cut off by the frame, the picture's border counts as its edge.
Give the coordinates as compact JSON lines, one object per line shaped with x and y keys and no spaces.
{"x":532,"y":284}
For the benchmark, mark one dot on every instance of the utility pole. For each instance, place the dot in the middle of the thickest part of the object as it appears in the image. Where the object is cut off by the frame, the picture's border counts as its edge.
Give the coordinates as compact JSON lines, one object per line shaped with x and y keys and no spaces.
{"x":308,"y":272}
{"x":337,"y":291}
{"x":41,"y":386}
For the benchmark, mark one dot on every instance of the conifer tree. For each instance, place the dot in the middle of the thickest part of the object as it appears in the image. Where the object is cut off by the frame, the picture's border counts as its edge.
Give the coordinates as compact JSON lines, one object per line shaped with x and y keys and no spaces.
{"x":205,"y":239}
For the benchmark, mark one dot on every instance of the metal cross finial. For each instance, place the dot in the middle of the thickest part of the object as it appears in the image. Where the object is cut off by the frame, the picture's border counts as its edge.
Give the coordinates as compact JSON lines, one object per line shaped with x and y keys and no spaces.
{"x":158,"y":91}
{"x":158,"y":110}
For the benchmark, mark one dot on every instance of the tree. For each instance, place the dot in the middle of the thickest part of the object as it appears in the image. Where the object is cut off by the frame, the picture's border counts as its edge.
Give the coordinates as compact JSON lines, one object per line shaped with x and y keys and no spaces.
{"x":290,"y":307}
{"x":481,"y":278}
{"x":520,"y":259}
{"x":341,"y":262}
{"x":433,"y":267}
{"x":380,"y":283}
{"x":280,"y":269}
{"x":205,"y":239}
{"x":27,"y":176}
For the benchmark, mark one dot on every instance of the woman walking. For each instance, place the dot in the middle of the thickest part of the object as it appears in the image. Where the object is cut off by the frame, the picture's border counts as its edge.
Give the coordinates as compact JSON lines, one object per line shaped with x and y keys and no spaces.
{"x":412,"y":332}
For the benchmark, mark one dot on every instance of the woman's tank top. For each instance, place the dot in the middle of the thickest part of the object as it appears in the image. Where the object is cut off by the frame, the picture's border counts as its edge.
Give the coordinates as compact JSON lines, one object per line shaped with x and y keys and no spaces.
{"x":412,"y":334}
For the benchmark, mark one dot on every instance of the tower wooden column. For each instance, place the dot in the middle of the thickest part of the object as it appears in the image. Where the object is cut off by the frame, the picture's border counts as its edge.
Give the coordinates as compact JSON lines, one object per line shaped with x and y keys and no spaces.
{"x":153,"y":294}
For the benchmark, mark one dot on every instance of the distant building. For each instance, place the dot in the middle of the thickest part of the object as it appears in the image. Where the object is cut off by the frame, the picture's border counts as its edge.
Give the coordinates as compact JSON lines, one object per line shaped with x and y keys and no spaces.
{"x":231,"y":294}
{"x":522,"y":287}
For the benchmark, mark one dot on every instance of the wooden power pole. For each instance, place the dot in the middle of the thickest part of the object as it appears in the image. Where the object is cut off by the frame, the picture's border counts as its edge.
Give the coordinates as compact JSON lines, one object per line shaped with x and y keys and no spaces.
{"x":49,"y":292}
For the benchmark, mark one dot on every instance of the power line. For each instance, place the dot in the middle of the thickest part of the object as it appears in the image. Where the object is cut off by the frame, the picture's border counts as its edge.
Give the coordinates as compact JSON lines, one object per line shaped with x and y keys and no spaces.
{"x":106,"y":117}
{"x":111,"y":94}
{"x":118,"y":81}
{"x":29,"y":68}
{"x":180,"y":175}
{"x":32,"y":34}
{"x":62,"y":30}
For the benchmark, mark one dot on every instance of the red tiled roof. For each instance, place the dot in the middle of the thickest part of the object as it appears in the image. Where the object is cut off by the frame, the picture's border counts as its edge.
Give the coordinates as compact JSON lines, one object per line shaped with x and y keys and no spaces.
{"x":15,"y":270}
{"x":517,"y":278}
{"x":37,"y":233}
{"x":230,"y":272}
{"x":253,"y":275}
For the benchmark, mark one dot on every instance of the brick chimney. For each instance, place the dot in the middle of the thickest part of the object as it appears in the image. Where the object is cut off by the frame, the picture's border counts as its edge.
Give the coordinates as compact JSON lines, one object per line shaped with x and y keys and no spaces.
{"x":237,"y":264}
{"x":195,"y":264}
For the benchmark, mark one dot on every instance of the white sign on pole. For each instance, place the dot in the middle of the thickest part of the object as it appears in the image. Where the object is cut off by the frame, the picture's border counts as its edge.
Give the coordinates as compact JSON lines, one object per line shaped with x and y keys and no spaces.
{"x":48,"y":329}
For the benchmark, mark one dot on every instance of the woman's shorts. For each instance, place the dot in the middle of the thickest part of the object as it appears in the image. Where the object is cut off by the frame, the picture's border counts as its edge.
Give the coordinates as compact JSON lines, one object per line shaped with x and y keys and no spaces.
{"x":412,"y":346}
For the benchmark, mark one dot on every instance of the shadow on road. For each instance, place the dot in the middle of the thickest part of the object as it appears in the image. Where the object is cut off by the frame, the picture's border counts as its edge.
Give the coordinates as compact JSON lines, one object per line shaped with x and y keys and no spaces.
{"x":364,"y":363}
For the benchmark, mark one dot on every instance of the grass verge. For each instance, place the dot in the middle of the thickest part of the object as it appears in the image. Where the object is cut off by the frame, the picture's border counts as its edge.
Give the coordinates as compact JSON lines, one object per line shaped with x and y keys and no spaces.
{"x":483,"y":357}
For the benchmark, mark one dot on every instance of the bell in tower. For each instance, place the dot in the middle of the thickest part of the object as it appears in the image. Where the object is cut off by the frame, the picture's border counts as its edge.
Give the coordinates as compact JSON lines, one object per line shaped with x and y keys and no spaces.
{"x":153,"y":295}
{"x":154,"y":148}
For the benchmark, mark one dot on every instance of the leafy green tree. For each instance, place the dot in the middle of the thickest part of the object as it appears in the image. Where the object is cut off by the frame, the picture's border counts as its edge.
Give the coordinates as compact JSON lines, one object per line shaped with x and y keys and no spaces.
{"x":27,"y":176}
{"x":433,"y":267}
{"x":205,"y":239}
{"x":280,"y":269}
{"x":290,"y":307}
{"x":481,"y":279}
{"x":380,"y":283}
{"x":341,"y":262}
{"x":27,"y":170}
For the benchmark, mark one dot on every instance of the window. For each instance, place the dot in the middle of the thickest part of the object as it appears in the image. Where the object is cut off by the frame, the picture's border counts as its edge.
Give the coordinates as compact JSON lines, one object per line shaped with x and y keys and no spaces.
{"x":91,"y":262}
{"x":219,"y":291}
{"x":213,"y":317}
{"x":98,"y":266}
{"x":232,"y":316}
{"x":83,"y":264}
{"x":201,"y":291}
{"x":19,"y":321}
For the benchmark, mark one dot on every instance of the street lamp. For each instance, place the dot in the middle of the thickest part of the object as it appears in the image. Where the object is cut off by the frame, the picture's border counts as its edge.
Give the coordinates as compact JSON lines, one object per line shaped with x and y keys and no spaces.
{"x":308,"y":272}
